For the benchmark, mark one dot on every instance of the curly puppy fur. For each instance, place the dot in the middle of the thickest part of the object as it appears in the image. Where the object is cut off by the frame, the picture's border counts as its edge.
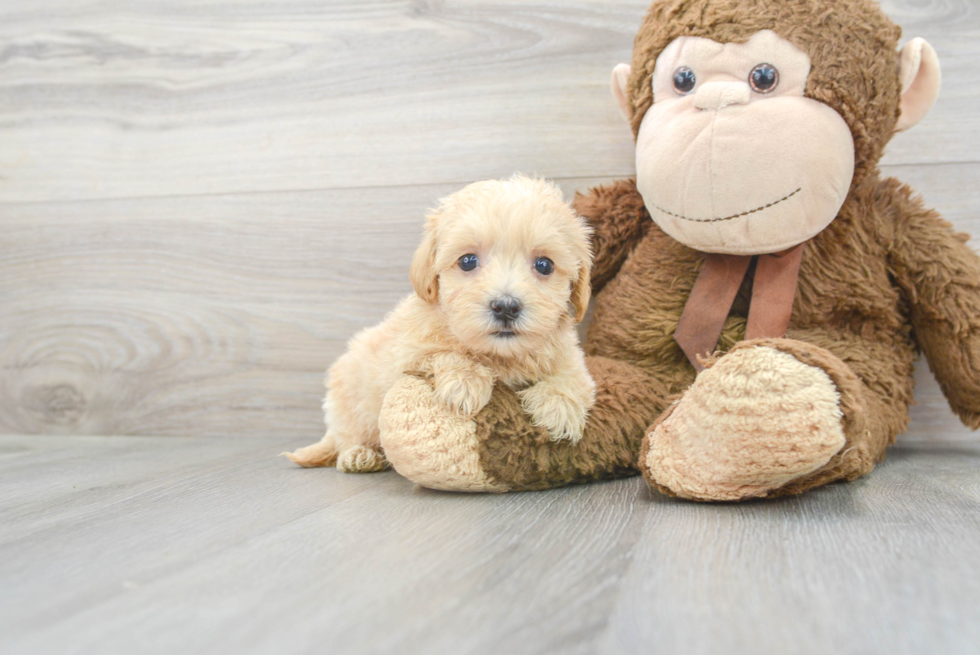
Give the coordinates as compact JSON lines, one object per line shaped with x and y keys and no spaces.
{"x":448,"y":329}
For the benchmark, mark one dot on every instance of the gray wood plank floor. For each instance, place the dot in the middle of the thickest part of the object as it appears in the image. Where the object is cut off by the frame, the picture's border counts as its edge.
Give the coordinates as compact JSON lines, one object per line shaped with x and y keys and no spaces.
{"x":203,"y":545}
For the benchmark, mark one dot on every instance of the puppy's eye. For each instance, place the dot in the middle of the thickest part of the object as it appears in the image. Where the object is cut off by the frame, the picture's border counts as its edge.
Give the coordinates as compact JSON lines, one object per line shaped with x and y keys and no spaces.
{"x":763,"y":78}
{"x":468,"y":262}
{"x":684,"y":80}
{"x":544,"y":266}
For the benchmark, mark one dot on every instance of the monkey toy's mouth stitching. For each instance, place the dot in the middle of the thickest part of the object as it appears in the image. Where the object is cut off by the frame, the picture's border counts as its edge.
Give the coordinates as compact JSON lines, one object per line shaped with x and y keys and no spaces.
{"x":728,"y":218}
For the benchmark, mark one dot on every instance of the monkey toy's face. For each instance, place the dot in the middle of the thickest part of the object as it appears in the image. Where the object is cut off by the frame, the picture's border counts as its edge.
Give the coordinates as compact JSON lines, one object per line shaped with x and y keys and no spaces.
{"x":731,"y":157}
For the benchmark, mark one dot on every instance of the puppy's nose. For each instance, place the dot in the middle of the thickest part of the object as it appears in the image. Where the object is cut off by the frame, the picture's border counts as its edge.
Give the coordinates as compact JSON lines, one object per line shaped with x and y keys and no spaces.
{"x":506,"y":308}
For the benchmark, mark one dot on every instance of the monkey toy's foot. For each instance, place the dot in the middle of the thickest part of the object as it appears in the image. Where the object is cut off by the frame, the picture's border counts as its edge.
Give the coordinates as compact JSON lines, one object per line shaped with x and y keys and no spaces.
{"x":758,"y":419}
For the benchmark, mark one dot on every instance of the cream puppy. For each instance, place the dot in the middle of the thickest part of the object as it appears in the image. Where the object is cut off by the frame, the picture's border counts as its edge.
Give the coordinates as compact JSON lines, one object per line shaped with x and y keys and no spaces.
{"x":500,"y":279}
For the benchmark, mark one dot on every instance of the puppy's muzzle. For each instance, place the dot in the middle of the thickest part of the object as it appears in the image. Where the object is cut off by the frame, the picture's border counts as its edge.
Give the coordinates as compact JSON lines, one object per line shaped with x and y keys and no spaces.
{"x":505,"y":309}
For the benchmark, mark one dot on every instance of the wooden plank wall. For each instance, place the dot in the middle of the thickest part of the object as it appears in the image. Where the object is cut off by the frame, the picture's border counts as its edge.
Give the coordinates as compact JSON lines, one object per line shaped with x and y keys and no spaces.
{"x":201,"y":201}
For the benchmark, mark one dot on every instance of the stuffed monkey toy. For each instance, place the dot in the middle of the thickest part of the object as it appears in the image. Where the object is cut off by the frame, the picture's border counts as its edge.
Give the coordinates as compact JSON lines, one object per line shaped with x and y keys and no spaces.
{"x":761,"y":292}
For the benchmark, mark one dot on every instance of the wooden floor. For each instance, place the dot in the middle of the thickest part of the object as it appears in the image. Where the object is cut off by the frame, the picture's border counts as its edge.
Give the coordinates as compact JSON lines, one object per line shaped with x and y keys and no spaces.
{"x":206,"y":545}
{"x":201,"y":201}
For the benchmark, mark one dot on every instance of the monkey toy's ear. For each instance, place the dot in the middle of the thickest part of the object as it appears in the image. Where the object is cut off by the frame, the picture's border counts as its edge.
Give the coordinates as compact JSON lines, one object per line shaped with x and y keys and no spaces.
{"x":620,"y":76}
{"x":920,"y":77}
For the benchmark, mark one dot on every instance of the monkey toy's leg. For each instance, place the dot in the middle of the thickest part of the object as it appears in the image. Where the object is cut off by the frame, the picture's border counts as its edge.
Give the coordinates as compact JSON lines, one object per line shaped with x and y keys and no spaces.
{"x":779,"y":416}
{"x":500,"y":450}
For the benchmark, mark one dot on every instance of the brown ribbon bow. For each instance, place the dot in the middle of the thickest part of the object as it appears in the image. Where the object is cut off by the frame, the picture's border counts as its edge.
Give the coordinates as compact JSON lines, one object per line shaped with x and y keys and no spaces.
{"x":773,"y":290}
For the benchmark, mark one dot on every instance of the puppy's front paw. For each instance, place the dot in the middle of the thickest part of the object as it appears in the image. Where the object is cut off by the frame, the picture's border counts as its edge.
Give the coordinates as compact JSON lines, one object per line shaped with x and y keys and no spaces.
{"x":465,"y":391}
{"x":563,"y":415}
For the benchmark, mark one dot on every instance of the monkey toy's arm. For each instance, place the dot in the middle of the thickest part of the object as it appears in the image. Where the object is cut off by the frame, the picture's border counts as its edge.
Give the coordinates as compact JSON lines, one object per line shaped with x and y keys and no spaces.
{"x":940,"y":276}
{"x":619,"y":220}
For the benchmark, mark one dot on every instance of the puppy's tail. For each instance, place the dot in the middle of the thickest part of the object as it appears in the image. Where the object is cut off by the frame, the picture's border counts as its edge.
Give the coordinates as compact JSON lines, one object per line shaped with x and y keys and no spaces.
{"x":323,"y":453}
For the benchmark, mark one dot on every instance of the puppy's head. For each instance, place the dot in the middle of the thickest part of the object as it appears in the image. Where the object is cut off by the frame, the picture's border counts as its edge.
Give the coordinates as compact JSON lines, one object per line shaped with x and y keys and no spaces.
{"x":508,"y":261}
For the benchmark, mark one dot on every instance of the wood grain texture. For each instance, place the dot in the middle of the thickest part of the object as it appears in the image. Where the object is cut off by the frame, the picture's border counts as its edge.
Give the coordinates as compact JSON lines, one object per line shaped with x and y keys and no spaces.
{"x":198,"y":545}
{"x":200,"y":202}
{"x":120,"y":99}
{"x":117,"y":100}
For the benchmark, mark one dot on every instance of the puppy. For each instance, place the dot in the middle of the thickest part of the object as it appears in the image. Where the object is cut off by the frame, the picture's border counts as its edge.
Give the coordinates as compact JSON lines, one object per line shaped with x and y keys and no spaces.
{"x":500,"y":278}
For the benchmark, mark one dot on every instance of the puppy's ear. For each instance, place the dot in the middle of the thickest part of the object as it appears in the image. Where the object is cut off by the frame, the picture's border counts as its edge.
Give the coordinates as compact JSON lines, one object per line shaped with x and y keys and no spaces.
{"x":582,"y":291}
{"x":423,"y":270}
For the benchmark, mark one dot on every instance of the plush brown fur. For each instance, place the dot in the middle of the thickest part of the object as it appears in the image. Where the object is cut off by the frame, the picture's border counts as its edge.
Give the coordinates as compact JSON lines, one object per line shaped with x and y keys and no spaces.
{"x":886,"y":279}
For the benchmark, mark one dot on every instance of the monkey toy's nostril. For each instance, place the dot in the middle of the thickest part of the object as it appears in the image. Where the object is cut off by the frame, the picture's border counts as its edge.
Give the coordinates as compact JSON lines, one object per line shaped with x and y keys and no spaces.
{"x":506,"y":308}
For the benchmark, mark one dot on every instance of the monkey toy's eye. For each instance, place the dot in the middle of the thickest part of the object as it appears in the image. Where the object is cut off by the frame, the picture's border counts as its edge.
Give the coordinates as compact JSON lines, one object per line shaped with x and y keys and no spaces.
{"x":544,"y":266}
{"x":684,"y":80}
{"x":468,"y":262}
{"x":763,"y":78}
